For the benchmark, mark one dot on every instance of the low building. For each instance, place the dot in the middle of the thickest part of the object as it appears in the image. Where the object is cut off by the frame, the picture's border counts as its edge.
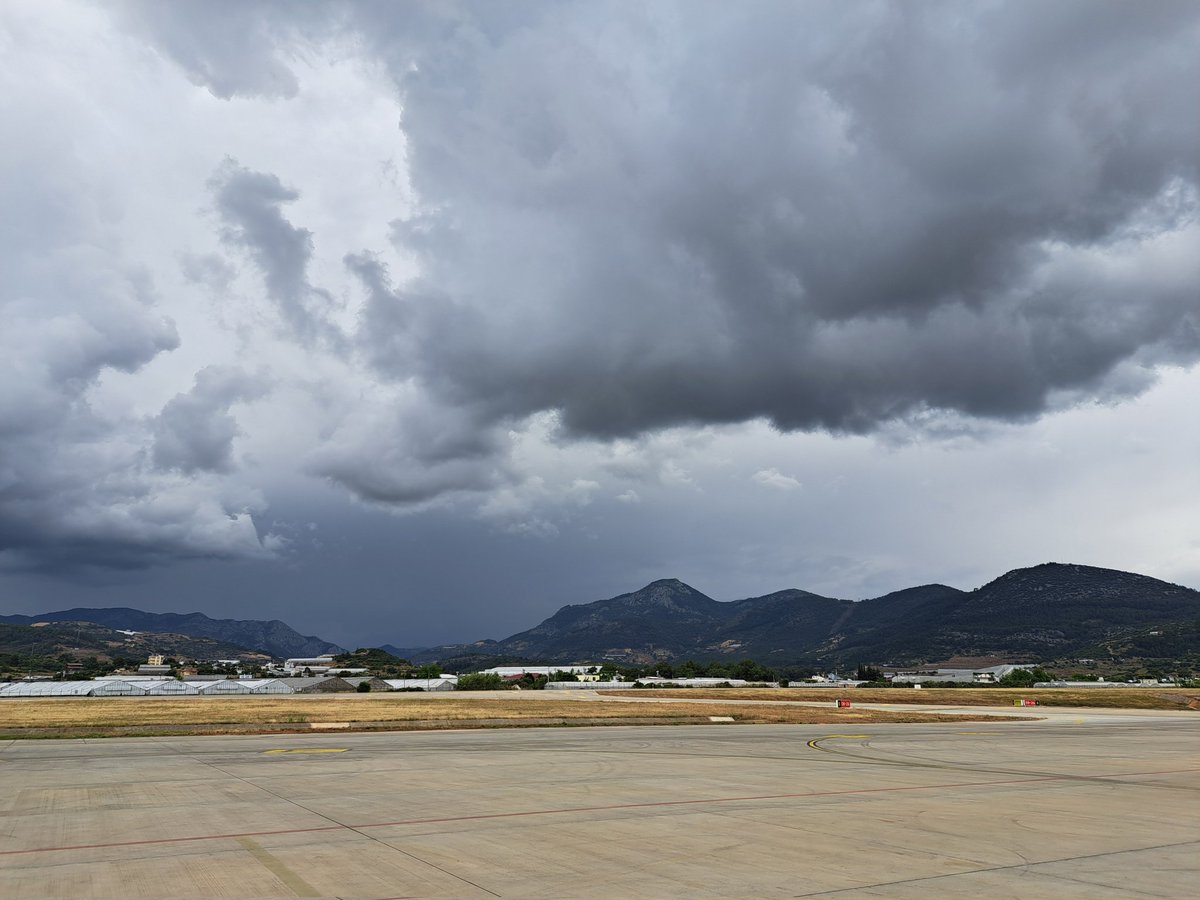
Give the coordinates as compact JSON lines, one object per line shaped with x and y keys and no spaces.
{"x":312,"y":663}
{"x":419,"y":684}
{"x":319,"y":685}
{"x":269,"y":685}
{"x":168,"y":688}
{"x":223,"y":688}
{"x":587,"y":685}
{"x":652,"y":680}
{"x":376,"y":684}
{"x":985,"y":675}
{"x":510,"y":671}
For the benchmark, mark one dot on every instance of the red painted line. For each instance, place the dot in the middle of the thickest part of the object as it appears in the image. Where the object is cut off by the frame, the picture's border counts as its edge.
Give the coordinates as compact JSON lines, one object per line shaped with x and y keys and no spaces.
{"x":178,"y":840}
{"x":657,"y":803}
{"x":585,"y":809}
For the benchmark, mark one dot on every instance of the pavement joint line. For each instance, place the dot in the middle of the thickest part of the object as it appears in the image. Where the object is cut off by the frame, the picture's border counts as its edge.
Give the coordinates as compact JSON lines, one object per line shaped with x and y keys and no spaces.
{"x":576,"y":809}
{"x":908,"y":763}
{"x":357,"y":829}
{"x":1020,"y":865}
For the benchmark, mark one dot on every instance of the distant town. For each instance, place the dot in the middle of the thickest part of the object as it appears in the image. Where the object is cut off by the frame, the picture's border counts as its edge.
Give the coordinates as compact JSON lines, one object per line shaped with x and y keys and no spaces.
{"x":161,"y":676}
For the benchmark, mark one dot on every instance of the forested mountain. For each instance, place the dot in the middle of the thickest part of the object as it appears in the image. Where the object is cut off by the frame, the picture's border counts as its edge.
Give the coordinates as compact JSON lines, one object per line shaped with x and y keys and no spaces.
{"x":1039,"y":613}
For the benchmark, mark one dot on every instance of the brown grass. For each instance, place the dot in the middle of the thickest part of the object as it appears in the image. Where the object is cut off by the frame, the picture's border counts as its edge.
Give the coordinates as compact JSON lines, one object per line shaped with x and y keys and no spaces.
{"x":1108,"y":698}
{"x":400,"y":709}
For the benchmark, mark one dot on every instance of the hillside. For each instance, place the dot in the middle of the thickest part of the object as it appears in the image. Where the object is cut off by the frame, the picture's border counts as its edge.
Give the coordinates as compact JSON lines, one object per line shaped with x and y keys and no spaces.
{"x":32,"y":647}
{"x":273,"y":638}
{"x":1039,"y":613}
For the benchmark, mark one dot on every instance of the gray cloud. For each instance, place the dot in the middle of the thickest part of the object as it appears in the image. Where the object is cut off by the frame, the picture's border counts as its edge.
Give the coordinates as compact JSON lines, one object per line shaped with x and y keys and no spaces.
{"x":828,"y":216}
{"x":250,"y":206}
{"x":230,"y":47}
{"x":895,"y":220}
{"x":77,"y":488}
{"x":194,"y":432}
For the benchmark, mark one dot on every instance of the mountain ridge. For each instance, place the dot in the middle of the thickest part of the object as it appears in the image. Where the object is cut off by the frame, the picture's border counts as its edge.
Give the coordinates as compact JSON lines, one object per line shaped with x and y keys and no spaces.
{"x":273,"y":637}
{"x":1033,"y":614}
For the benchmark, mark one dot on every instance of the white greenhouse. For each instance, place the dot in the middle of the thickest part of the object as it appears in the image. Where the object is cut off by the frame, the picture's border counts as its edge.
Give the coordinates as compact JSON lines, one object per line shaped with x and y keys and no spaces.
{"x":70,"y":689}
{"x":168,"y":688}
{"x":222,"y":688}
{"x":268,"y":686}
{"x":420,"y":684}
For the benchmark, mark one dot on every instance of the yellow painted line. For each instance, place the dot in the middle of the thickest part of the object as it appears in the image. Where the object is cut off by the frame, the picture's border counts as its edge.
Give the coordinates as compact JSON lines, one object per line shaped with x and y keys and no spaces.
{"x":978,"y":732}
{"x":815,"y":742}
{"x":277,"y":867}
{"x":311,"y":750}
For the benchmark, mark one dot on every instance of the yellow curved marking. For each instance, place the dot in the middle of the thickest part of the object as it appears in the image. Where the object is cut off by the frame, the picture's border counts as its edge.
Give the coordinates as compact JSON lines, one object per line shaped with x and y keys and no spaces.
{"x":816,"y":745}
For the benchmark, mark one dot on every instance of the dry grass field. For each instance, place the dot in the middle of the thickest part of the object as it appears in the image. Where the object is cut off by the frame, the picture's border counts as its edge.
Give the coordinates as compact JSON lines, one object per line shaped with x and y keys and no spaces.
{"x":41,"y":717}
{"x":1107,"y":698}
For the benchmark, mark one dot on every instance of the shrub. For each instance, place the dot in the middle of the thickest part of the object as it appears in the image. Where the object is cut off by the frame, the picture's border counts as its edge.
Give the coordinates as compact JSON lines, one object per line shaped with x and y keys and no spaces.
{"x":481,"y":682}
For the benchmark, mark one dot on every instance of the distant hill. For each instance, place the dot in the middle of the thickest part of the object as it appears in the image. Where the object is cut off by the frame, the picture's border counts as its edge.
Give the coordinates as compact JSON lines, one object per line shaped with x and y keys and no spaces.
{"x":274,"y":638}
{"x":77,"y":641}
{"x":1039,"y":613}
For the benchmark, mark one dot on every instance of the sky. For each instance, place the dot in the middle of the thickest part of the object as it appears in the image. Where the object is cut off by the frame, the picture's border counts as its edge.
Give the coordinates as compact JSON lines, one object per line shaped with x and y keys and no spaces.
{"x":414,"y":322}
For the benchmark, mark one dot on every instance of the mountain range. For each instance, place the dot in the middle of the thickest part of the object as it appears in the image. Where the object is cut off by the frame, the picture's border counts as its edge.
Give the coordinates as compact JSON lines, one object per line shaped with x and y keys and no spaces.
{"x":272,"y":637}
{"x":33,"y":647}
{"x":1037,"y":614}
{"x":1041,"y":613}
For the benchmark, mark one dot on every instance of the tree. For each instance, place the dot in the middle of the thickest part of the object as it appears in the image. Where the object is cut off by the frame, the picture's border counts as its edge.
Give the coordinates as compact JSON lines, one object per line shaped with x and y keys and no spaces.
{"x":364,"y":687}
{"x":868,"y":673}
{"x":489,"y":681}
{"x":1025,"y":677}
{"x":749,"y":670}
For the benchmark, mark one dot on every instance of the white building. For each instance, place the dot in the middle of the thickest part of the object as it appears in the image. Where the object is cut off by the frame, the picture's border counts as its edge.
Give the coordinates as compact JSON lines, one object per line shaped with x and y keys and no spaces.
{"x":987,"y":675}
{"x":420,"y":684}
{"x":315,"y":664}
{"x":510,"y":671}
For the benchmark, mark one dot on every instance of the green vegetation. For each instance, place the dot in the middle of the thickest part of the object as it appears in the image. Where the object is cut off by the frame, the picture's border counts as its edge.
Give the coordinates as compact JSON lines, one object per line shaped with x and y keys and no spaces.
{"x":482,"y":682}
{"x":375,"y":661}
{"x":1025,"y":677}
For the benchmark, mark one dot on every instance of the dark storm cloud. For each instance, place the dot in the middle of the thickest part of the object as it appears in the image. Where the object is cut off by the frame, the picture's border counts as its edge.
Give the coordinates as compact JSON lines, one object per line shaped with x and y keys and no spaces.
{"x":76,"y":485}
{"x":827,"y":215}
{"x":195,"y":431}
{"x":250,"y":206}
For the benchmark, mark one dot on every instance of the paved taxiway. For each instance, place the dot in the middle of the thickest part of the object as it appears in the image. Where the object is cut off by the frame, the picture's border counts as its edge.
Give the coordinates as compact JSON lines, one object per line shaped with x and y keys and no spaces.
{"x":1102,"y":805}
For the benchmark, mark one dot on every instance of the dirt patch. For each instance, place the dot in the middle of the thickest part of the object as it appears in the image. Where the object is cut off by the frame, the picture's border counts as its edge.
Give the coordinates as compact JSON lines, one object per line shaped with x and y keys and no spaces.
{"x":1105,"y":698}
{"x":119,"y":716}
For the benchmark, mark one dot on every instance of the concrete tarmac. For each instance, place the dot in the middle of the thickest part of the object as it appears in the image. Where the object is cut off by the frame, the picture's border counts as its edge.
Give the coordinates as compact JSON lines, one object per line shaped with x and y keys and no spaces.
{"x":1106,"y":805}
